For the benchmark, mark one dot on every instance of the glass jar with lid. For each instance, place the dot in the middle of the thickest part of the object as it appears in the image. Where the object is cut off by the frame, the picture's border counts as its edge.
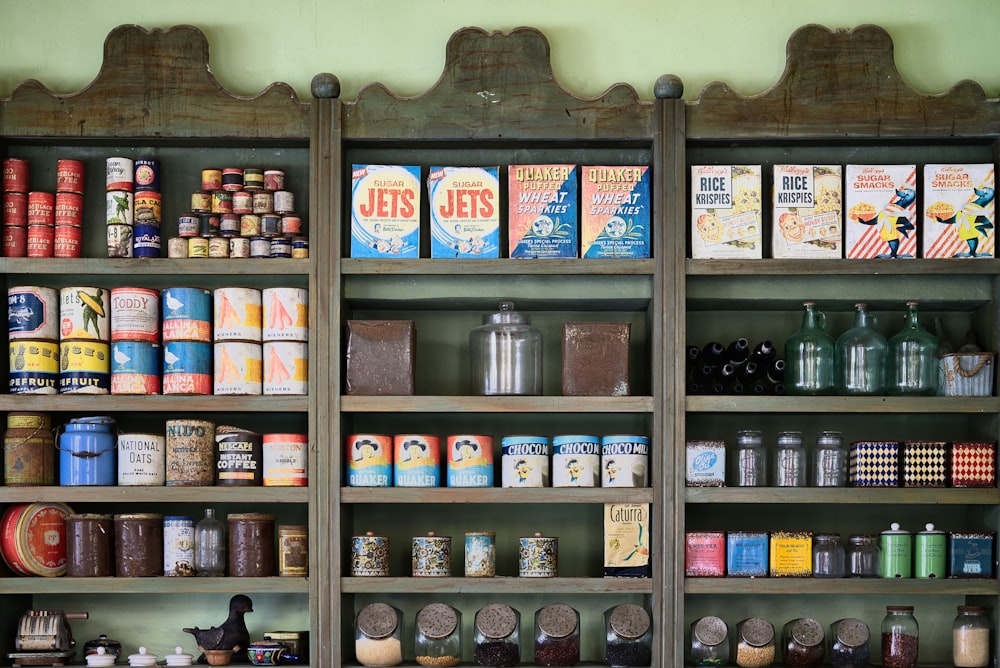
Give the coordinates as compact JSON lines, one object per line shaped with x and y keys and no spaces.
{"x":377,"y":635}
{"x":754,"y":643}
{"x":828,"y":556}
{"x":970,"y":637}
{"x":506,"y":354}
{"x":749,"y":460}
{"x":900,"y":637}
{"x":830,"y":460}
{"x":790,"y":461}
{"x":438,"y":635}
{"x":863,"y":558}
{"x":850,"y":643}
{"x":628,"y":636}
{"x":557,"y":636}
{"x":709,"y":642}
{"x":802,"y":642}
{"x":497,"y":637}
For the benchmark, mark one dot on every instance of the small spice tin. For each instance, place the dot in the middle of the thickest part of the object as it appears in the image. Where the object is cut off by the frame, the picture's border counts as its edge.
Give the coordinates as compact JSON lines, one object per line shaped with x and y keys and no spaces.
{"x":480,"y":554}
{"x":178,"y":546}
{"x":747,"y":554}
{"x":370,"y":556}
{"x":525,"y":461}
{"x":576,"y":461}
{"x":417,"y":460}
{"x":293,"y":551}
{"x":791,"y":554}
{"x":973,"y":464}
{"x":538,"y":556}
{"x":431,"y":555}
{"x":897,"y":552}
{"x":971,"y":555}
{"x":925,"y":464}
{"x":929,"y":548}
{"x":369,"y":460}
{"x":251,"y":545}
{"x":874,"y":464}
{"x":470,"y":460}
{"x":624,"y":461}
{"x":704,"y":554}
{"x":706,"y":464}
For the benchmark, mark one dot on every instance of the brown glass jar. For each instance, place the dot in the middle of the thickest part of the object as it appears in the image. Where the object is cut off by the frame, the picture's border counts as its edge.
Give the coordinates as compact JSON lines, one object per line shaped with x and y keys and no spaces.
{"x":88,"y":546}
{"x":251,"y":545}
{"x":138,"y":545}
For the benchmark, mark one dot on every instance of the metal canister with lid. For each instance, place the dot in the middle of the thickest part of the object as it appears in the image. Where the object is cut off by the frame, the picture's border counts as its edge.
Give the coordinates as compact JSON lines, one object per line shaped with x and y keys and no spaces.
{"x":803,"y":642}
{"x":370,"y":555}
{"x":538,"y":556}
{"x":628,"y":636}
{"x":929,"y":550}
{"x":709,"y":642}
{"x":897,"y":552}
{"x":431,"y":555}
{"x":480,"y":554}
{"x":28,"y":450}
{"x":557,"y":635}
{"x":252,"y":545}
{"x":88,"y":545}
{"x":438,"y":635}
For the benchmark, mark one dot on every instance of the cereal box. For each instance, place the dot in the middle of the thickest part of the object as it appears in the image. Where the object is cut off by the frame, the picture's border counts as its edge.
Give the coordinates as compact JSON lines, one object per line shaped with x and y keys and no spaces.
{"x":726,"y":211}
{"x":385,"y":211}
{"x":958,"y":210}
{"x":881,"y":204}
{"x":807,"y":210}
{"x":542,"y":211}
{"x":614,"y":212}
{"x":465,"y":212}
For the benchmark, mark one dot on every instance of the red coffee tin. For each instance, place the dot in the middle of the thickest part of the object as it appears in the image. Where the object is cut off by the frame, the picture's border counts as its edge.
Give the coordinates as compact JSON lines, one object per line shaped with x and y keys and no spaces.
{"x":40,"y":240}
{"x":41,"y":208}
{"x":15,"y":209}
{"x":69,"y":176}
{"x":69,"y":209}
{"x":15,"y":175}
{"x":15,"y":241}
{"x":274,"y":179}
{"x":67,"y":241}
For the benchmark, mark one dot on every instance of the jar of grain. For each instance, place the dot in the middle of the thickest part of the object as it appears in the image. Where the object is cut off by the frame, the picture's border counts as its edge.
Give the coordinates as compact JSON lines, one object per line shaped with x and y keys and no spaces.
{"x":900,"y":637}
{"x":438,"y":635}
{"x":497,"y":637}
{"x":970,"y":637}
{"x":628,"y":636}
{"x":557,"y":636}
{"x":850,"y":643}
{"x":709,"y":642}
{"x":802,"y":642}
{"x":754,"y":643}
{"x":377,"y":633}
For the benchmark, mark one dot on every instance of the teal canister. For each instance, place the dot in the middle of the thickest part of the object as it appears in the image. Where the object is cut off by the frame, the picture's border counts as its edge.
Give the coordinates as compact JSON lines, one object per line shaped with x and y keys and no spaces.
{"x":897,"y":552}
{"x":929,"y":553}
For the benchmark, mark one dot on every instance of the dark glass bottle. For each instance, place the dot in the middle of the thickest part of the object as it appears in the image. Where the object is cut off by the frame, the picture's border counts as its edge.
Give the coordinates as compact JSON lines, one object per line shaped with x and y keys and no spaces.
{"x":763,"y":353}
{"x":860,"y":356}
{"x":913,"y":364}
{"x":738,"y":352}
{"x":809,"y":356}
{"x":712,"y":353}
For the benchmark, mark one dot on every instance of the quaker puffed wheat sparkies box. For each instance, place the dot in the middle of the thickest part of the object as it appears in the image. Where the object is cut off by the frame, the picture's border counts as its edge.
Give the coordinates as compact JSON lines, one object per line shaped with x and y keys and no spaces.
{"x":959,"y":211}
{"x":542,"y":211}
{"x":385,"y":211}
{"x":881,"y":205}
{"x":614,"y":212}
{"x":465,"y":212}
{"x":806,"y":211}
{"x":726,"y":211}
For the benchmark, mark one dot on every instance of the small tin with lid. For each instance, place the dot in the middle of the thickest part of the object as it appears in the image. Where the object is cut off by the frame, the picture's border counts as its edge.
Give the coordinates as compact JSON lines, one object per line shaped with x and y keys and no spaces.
{"x":850,"y":643}
{"x":628,"y":636}
{"x":506,"y":354}
{"x":438,"y":635}
{"x":557,"y":635}
{"x":538,"y":556}
{"x":89,"y":546}
{"x":971,"y":555}
{"x":480,"y":554}
{"x":803,"y":642}
{"x":378,"y":635}
{"x":754,"y":643}
{"x":496,"y":641}
{"x":369,"y":556}
{"x":431,"y":555}
{"x":252,"y":543}
{"x":896,"y":546}
{"x":709,"y":642}
{"x":929,"y":548}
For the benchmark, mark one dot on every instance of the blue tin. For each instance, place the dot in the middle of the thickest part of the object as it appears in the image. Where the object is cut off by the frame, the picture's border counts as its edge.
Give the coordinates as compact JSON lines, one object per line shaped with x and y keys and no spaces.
{"x":146,"y":240}
{"x":32,"y":313}
{"x":281,"y":247}
{"x":746,"y":554}
{"x":186,"y":314}
{"x":135,"y":367}
{"x":147,"y":174}
{"x":971,"y":555}
{"x":87,"y":452}
{"x":187,"y":367}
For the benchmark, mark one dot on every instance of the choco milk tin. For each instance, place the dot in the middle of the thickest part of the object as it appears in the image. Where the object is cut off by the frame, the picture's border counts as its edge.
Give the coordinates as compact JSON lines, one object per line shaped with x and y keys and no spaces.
{"x":470,"y":461}
{"x":417,"y":460}
{"x":525,"y":461}
{"x":576,"y":461}
{"x":624,"y":461}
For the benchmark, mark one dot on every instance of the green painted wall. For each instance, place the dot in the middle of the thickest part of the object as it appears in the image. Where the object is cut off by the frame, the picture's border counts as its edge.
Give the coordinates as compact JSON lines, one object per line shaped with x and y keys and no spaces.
{"x":594,"y":44}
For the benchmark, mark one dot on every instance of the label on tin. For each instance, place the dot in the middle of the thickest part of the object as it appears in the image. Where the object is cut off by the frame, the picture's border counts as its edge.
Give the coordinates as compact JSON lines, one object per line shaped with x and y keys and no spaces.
{"x":187,"y":313}
{"x":525,"y":461}
{"x":369,"y":460}
{"x":237,"y":314}
{"x":790,"y":554}
{"x":417,"y":460}
{"x":624,"y":461}
{"x":187,"y":367}
{"x":293,"y":551}
{"x":135,"y":367}
{"x":32,"y":313}
{"x":285,"y":460}
{"x":146,"y":240}
{"x":626,"y":540}
{"x":470,"y":461}
{"x":238,"y":368}
{"x":120,"y":205}
{"x":190,"y":452}
{"x":135,"y":314}
{"x":84,"y":314}
{"x":119,"y":173}
{"x":84,"y":367}
{"x":147,"y":174}
{"x":369,"y":556}
{"x":542,"y":216}
{"x":746,"y":554}
{"x":286,"y":314}
{"x":141,"y":460}
{"x":614,"y":212}
{"x":576,"y":461}
{"x":119,"y":240}
{"x":238,"y":456}
{"x":465,"y":212}
{"x":286,"y":368}
{"x":147,"y":207}
{"x":34,"y":367}
{"x":178,"y":546}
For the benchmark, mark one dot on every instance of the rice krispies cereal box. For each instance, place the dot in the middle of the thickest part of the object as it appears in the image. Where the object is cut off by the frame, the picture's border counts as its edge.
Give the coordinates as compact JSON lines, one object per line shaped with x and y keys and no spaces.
{"x":726,"y":211}
{"x":959,"y":211}
{"x":881,"y":206}
{"x":542,"y":211}
{"x":385,"y":211}
{"x":807,"y":208}
{"x":614,"y":212}
{"x":465,"y":211}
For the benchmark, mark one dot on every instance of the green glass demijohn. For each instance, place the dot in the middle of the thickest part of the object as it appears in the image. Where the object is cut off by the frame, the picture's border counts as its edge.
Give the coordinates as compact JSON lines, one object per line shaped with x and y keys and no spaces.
{"x":860,"y":357}
{"x":913,"y":361}
{"x":809,"y":356}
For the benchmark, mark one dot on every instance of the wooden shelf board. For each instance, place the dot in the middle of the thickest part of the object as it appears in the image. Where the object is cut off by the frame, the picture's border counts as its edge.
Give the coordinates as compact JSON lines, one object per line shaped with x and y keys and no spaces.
{"x":131,"y":267}
{"x":852,"y":586}
{"x":785,"y":404}
{"x":843,"y":495}
{"x":917,"y":267}
{"x":121,"y":403}
{"x":494,"y":495}
{"x":157,"y":585}
{"x":143,"y":494}
{"x":498,"y":585}
{"x":497,"y":267}
{"x":467,"y":404}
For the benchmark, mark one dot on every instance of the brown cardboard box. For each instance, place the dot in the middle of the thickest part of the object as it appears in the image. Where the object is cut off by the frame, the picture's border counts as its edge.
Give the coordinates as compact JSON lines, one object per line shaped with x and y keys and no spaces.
{"x":381,"y":356}
{"x":595,"y":359}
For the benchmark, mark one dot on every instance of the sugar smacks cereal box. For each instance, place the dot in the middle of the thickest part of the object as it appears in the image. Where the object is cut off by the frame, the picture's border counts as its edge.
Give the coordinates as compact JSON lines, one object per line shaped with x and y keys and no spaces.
{"x":881,"y":204}
{"x":807,"y":209}
{"x":385,"y":211}
{"x":726,"y":211}
{"x":959,"y":211}
{"x":465,"y":212}
{"x":542,"y":211}
{"x":614,"y":212}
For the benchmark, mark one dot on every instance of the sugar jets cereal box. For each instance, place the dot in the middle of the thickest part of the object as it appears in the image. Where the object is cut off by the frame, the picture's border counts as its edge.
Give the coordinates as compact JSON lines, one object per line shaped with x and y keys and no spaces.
{"x":614,"y":212}
{"x":807,"y":209}
{"x":881,"y":205}
{"x":725,"y":211}
{"x":542,"y":211}
{"x":465,"y":212}
{"x":385,"y":211}
{"x":959,"y":211}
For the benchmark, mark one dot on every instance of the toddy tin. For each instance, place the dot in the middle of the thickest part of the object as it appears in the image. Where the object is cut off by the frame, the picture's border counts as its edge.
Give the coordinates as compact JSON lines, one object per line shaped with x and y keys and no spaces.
{"x":524,"y":461}
{"x":806,"y":212}
{"x":120,"y":208}
{"x":417,"y":460}
{"x":285,"y":314}
{"x":538,"y":556}
{"x":624,"y":461}
{"x":187,"y":367}
{"x":135,"y":314}
{"x":286,"y":368}
{"x":615,"y":211}
{"x":135,"y":367}
{"x":576,"y":461}
{"x":369,"y":460}
{"x":118,"y":173}
{"x":880,"y":204}
{"x":28,"y":450}
{"x":237,"y":314}
{"x":465,"y":212}
{"x":34,"y":367}
{"x":141,"y":460}
{"x":84,"y":367}
{"x":959,"y":210}
{"x":119,"y":240}
{"x":238,"y":455}
{"x":190,"y":454}
{"x":178,"y":546}
{"x":369,"y":556}
{"x":33,"y":538}
{"x":480,"y":554}
{"x":726,"y":212}
{"x":385,"y":211}
{"x":84,"y":314}
{"x":286,"y":460}
{"x":470,"y":460}
{"x":542,"y":211}
{"x":87,"y":452}
{"x":431,"y":556}
{"x":238,"y":368}
{"x":32,"y":313}
{"x":186,"y":314}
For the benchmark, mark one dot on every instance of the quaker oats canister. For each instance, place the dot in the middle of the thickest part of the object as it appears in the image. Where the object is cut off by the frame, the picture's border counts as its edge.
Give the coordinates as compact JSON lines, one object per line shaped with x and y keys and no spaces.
{"x":417,"y":460}
{"x":470,"y":460}
{"x":369,"y":460}
{"x":525,"y":461}
{"x":576,"y":461}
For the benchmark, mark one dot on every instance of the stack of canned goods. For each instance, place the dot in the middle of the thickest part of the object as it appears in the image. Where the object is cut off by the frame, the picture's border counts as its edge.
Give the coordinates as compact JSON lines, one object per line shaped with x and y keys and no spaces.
{"x":134,"y":205}
{"x":285,"y":333}
{"x":237,"y":336}
{"x":84,"y":340}
{"x":39,"y":223}
{"x":186,"y":315}
{"x":240,"y":213}
{"x":135,"y":341}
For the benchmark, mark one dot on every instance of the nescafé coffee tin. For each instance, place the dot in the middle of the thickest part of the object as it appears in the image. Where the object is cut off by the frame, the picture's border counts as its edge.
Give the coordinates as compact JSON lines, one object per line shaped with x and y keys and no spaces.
{"x":431,"y":555}
{"x":538,"y":556}
{"x":370,"y":556}
{"x":238,"y":454}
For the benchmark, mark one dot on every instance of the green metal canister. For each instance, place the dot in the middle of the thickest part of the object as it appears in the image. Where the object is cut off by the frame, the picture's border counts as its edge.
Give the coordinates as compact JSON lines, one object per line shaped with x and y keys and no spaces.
{"x":929,"y":550}
{"x":897,"y":552}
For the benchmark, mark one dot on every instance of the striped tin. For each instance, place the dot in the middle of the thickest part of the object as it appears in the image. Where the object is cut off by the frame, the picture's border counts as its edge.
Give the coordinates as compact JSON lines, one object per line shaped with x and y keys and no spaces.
{"x":525,"y":461}
{"x":68,"y":209}
{"x":576,"y":461}
{"x":300,"y":248}
{"x":69,"y":176}
{"x":41,"y":239}
{"x":286,"y":460}
{"x":186,"y":314}
{"x":260,"y":247}
{"x":33,"y":538}
{"x":232,"y":179}
{"x":417,"y":460}
{"x":141,"y":460}
{"x":286,"y":314}
{"x":34,"y":367}
{"x":238,"y":457}
{"x":369,"y":460}
{"x":15,"y":209}
{"x":286,"y":368}
{"x":187,"y":367}
{"x":119,"y":240}
{"x":281,"y":247}
{"x":84,"y":367}
{"x":148,"y":205}
{"x":135,"y":367}
{"x":120,"y":207}
{"x":291,"y":226}
{"x":84,"y":314}
{"x":135,"y":314}
{"x":118,"y":173}
{"x":237,"y":314}
{"x":146,"y":175}
{"x":229,"y":225}
{"x":238,"y":368}
{"x":197,"y":247}
{"x":242,"y":202}
{"x":15,"y":175}
{"x":41,"y":208}
{"x":253,"y":178}
{"x":15,"y":241}
{"x":470,"y":460}
{"x":32,"y":313}
{"x":218,"y":247}
{"x":67,"y":241}
{"x":274,"y":179}
{"x":178,"y":546}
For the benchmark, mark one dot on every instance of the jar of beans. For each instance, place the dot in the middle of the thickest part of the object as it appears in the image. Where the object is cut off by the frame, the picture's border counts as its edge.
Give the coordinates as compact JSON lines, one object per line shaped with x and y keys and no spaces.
{"x":850,"y":643}
{"x":377,"y":634}
{"x":900,"y":637}
{"x":709,"y":642}
{"x":970,"y":634}
{"x":754,"y":643}
{"x":802,"y":642}
{"x":438,"y":635}
{"x":628,"y":638}
{"x":497,"y":638}
{"x":557,"y":636}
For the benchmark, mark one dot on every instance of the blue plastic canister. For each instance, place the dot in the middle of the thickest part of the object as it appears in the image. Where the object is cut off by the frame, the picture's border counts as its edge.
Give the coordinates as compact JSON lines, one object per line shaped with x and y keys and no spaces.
{"x":87,"y":452}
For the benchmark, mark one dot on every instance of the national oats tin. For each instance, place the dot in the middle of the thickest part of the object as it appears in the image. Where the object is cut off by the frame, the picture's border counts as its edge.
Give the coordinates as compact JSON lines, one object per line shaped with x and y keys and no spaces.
{"x":118,"y":173}
{"x":369,"y":556}
{"x":190,"y":458}
{"x":178,"y":546}
{"x":119,"y":239}
{"x":470,"y":460}
{"x":576,"y":461}
{"x":34,"y":367}
{"x":237,"y":314}
{"x":238,"y":457}
{"x":624,"y":461}
{"x":525,"y":461}
{"x":135,"y":314}
{"x":187,"y":367}
{"x":285,"y":314}
{"x":32,"y":313}
{"x":417,"y":460}
{"x":135,"y":367}
{"x":286,"y":368}
{"x":186,"y":314}
{"x":369,"y":460}
{"x":141,"y":460}
{"x":538,"y":556}
{"x":431,"y":556}
{"x":238,"y":368}
{"x":84,"y":367}
{"x":480,"y":554}
{"x":286,"y":460}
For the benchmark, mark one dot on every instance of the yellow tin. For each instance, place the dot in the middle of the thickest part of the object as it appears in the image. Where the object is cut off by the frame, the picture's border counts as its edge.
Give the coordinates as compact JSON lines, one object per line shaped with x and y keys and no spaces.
{"x":791,"y":554}
{"x":85,"y":367}
{"x":34,"y":367}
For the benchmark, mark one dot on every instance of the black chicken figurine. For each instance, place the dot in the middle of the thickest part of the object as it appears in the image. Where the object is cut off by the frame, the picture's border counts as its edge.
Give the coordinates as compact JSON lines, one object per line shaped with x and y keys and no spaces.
{"x":230,"y":634}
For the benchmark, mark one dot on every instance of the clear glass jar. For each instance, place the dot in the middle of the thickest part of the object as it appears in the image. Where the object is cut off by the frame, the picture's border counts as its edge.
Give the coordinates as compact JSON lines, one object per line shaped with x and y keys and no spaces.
{"x":802,"y":642}
{"x":506,"y":354}
{"x":830,"y":460}
{"x":850,"y":643}
{"x":913,"y":362}
{"x":437,"y":637}
{"x":497,"y":639}
{"x":828,"y":556}
{"x":863,"y":558}
{"x":809,"y":353}
{"x":628,"y":636}
{"x":709,"y":642}
{"x":378,"y":631}
{"x":754,"y":643}
{"x":900,"y":637}
{"x":860,"y":356}
{"x":557,"y":636}
{"x":789,"y":460}
{"x":210,"y":546}
{"x":749,"y":460}
{"x":970,"y":637}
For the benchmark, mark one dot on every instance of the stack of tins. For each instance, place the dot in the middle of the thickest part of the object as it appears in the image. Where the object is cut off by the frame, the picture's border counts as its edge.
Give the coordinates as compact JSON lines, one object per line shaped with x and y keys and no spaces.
{"x":38,"y":223}
{"x":33,"y":538}
{"x":286,"y":337}
{"x":186,"y":315}
{"x":237,"y":334}
{"x":133,"y":207}
{"x":135,"y":341}
{"x":33,"y":317}
{"x":84,"y":340}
